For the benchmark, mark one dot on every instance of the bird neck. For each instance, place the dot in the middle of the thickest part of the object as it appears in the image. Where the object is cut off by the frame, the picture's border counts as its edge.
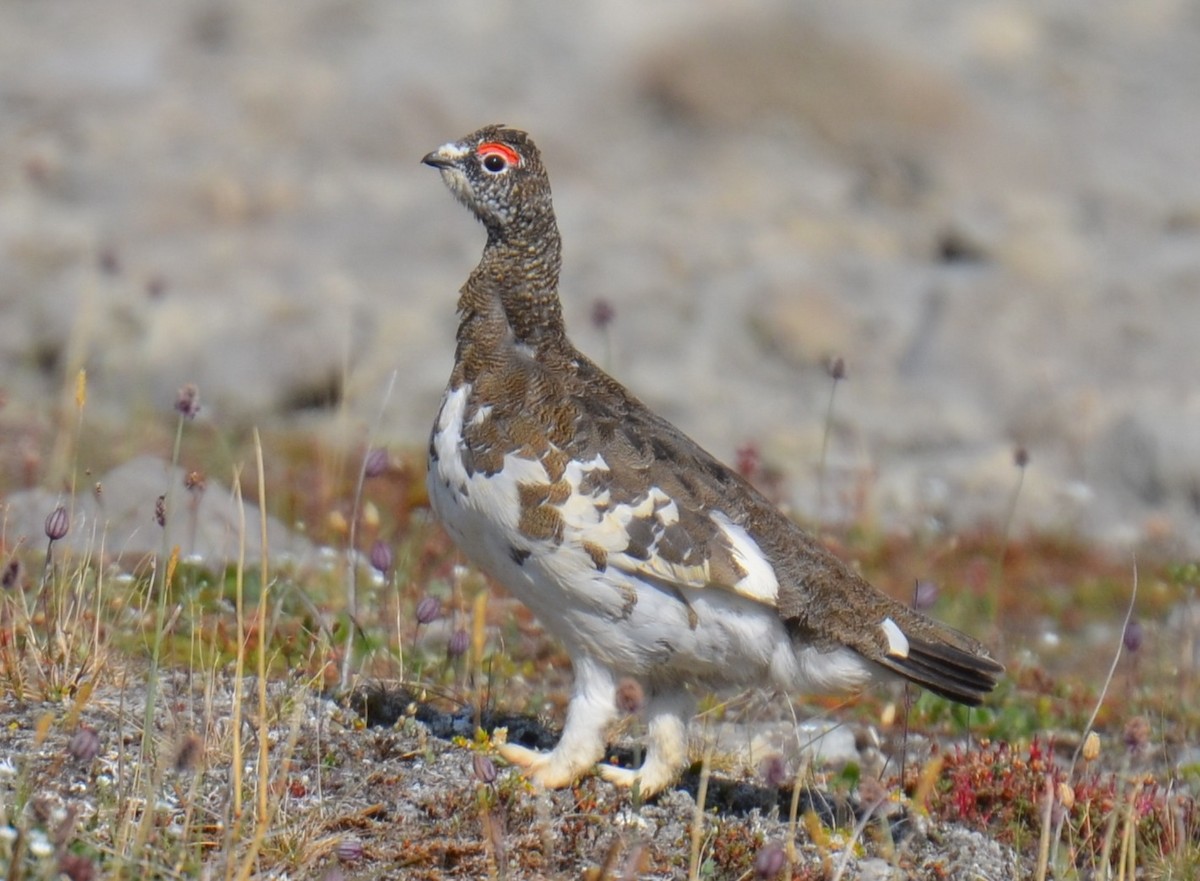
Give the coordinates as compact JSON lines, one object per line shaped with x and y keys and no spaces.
{"x":512,"y":295}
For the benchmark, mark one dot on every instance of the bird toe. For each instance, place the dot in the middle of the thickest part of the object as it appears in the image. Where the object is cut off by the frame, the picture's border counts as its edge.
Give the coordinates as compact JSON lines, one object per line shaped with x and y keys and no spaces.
{"x":547,"y":770}
{"x":647,"y":779}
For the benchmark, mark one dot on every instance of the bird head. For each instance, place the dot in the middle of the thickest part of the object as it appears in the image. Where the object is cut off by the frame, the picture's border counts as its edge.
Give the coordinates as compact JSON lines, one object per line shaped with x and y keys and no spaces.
{"x":497,"y":173}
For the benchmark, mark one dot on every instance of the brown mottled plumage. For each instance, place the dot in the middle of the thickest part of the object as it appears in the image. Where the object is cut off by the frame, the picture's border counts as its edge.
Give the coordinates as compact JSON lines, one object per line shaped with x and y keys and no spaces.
{"x":643,"y":553}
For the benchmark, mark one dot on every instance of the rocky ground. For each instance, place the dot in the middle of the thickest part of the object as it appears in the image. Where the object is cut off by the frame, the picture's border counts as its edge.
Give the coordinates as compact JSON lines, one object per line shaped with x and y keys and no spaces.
{"x":991,"y":211}
{"x":403,"y":801}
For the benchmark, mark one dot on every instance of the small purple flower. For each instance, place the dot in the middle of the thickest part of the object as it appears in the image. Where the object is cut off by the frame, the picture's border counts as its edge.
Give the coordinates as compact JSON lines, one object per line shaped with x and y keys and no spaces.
{"x":110,"y":262}
{"x":187,"y":401}
{"x":749,"y":460}
{"x":1021,"y":457}
{"x":84,"y":745}
{"x":76,"y":867}
{"x":191,"y":750}
{"x":429,"y":610}
{"x":381,"y":557}
{"x":11,"y":576}
{"x":774,"y":771}
{"x":459,"y":642}
{"x":156,"y":286}
{"x":603,"y":314}
{"x":1134,"y":635}
{"x":1137,"y":734}
{"x":376,"y":462}
{"x":350,"y":850}
{"x":925,"y":595}
{"x":160,"y":510}
{"x":836,"y":368}
{"x":770,"y":861}
{"x":484,"y":767}
{"x":58,"y":523}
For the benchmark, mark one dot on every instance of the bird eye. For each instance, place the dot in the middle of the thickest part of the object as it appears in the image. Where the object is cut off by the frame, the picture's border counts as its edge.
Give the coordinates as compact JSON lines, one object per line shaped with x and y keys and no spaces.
{"x":497,"y":157}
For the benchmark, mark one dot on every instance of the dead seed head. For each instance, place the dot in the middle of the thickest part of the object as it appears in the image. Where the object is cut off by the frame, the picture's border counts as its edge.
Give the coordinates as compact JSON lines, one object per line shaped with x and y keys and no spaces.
{"x":58,"y":523}
{"x":1091,"y":747}
{"x":1065,"y":795}
{"x":187,"y":402}
{"x":630,"y":696}
{"x":160,"y":510}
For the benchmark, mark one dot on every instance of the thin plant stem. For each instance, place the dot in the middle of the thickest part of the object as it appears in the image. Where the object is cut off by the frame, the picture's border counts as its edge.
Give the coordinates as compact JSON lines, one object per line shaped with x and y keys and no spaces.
{"x":859,"y":828}
{"x":1021,"y":459}
{"x":352,"y":580}
{"x":698,"y":816}
{"x":263,"y":593}
{"x":1112,"y":670}
{"x":1043,"y":857}
{"x":239,"y":668}
{"x":160,"y":582}
{"x":824,"y":462}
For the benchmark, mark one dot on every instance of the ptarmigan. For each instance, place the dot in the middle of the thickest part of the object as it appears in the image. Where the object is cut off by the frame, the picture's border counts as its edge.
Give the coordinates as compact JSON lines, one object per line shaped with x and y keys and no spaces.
{"x":641,"y":552}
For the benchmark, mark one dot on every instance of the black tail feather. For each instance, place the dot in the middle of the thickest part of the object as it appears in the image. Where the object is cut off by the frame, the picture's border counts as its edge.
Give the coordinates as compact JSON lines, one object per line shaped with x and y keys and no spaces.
{"x":951,"y":672}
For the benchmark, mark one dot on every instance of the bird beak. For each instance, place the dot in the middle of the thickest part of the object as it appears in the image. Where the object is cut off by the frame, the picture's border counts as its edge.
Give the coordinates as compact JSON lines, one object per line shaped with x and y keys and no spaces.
{"x":445,"y":156}
{"x":437,"y":159}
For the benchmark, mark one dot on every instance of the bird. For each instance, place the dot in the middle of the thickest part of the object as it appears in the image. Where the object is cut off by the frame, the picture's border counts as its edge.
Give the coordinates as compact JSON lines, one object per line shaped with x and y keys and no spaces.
{"x":645,"y":556}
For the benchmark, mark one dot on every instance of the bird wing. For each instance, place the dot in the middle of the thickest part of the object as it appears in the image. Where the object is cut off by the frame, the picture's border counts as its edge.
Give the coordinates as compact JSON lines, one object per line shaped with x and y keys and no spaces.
{"x":653,"y":504}
{"x":663,"y":510}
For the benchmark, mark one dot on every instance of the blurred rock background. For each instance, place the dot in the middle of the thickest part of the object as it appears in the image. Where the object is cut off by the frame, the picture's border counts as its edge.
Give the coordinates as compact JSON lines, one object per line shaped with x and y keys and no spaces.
{"x":990,"y":210}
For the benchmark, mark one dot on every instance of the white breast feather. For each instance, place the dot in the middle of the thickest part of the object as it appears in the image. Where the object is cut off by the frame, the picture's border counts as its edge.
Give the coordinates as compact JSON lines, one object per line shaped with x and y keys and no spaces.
{"x":448,"y":436}
{"x":493,"y":500}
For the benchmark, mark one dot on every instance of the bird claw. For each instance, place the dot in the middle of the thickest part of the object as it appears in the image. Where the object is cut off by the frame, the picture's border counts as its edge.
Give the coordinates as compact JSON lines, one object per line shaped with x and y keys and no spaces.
{"x":648,"y":780}
{"x":544,"y":769}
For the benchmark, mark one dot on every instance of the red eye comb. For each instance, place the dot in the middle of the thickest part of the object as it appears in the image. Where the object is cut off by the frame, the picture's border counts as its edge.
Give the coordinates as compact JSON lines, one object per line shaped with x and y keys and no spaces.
{"x":505,"y":152}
